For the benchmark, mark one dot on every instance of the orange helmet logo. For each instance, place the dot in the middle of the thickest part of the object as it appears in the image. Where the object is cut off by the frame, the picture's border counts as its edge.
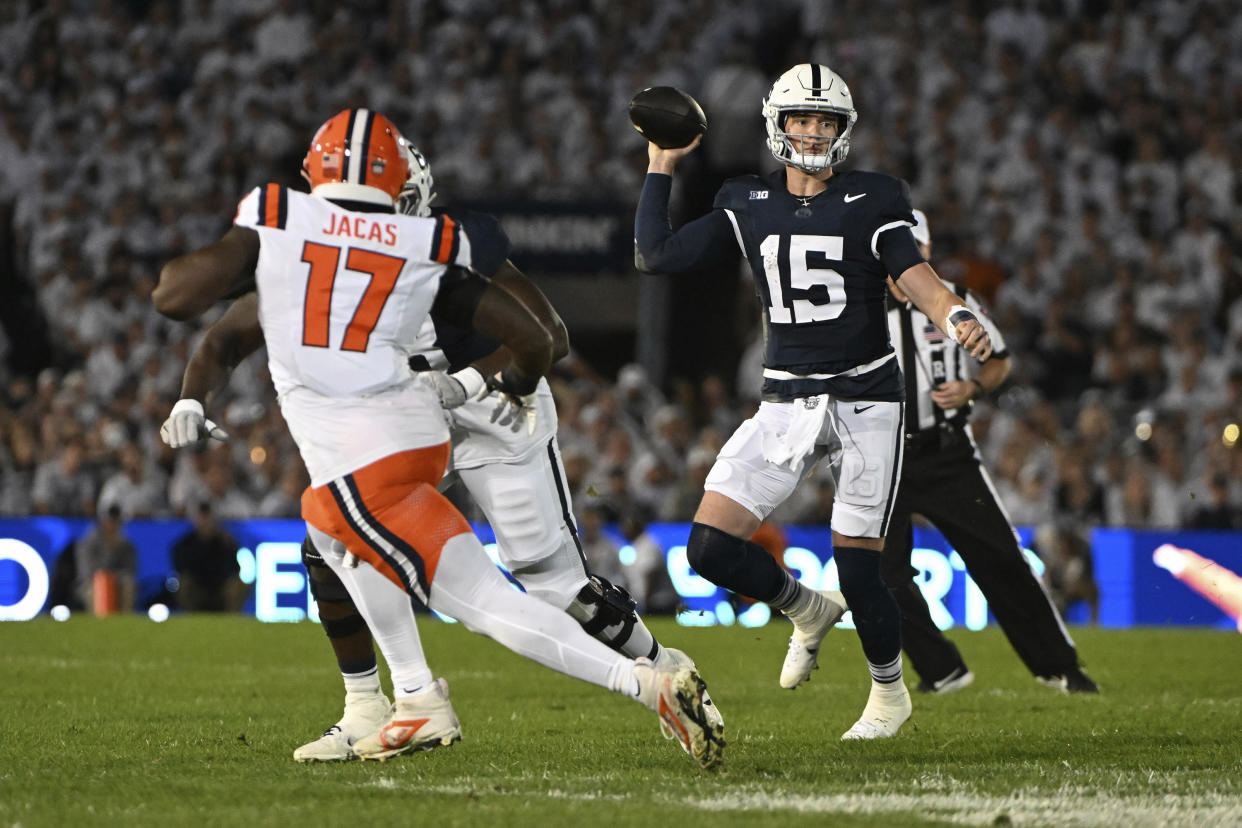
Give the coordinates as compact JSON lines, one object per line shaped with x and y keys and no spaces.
{"x":357,"y":148}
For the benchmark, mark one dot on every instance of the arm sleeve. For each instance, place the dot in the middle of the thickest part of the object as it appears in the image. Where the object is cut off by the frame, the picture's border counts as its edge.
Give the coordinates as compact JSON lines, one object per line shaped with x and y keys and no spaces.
{"x":488,"y":242}
{"x":898,"y":250}
{"x":484,"y":242}
{"x":458,"y":296}
{"x":894,"y":218}
{"x":661,"y":250}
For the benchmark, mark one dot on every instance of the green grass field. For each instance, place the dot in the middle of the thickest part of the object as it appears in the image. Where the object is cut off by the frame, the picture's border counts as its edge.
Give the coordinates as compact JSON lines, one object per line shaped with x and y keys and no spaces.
{"x":122,"y":721}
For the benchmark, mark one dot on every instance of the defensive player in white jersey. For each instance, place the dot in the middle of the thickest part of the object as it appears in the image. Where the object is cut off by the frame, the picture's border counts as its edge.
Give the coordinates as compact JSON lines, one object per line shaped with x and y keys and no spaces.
{"x":344,"y":283}
{"x":510,"y":463}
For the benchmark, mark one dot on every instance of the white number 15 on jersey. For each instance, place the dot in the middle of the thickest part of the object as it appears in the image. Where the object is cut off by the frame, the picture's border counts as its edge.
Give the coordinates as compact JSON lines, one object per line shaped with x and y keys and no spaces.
{"x":804,"y":277}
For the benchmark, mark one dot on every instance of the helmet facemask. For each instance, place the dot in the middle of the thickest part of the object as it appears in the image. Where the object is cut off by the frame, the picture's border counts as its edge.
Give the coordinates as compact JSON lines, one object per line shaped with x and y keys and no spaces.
{"x":809,"y":88}
{"x":419,"y":189}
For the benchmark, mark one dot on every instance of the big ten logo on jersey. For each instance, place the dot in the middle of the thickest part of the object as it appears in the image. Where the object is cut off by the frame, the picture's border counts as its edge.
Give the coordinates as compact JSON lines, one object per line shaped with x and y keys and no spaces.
{"x":350,"y":226}
{"x":758,"y":195}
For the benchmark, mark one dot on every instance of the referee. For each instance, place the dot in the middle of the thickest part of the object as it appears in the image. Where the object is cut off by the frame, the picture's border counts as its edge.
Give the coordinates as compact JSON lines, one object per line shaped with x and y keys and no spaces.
{"x":943,"y":480}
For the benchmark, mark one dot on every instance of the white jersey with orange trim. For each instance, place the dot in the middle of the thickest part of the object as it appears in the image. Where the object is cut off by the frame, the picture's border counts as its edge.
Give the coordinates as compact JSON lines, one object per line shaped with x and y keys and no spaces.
{"x":342,"y":296}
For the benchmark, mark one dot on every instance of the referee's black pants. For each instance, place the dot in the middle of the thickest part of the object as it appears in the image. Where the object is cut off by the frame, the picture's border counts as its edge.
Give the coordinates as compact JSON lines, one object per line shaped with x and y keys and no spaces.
{"x":942,"y":480}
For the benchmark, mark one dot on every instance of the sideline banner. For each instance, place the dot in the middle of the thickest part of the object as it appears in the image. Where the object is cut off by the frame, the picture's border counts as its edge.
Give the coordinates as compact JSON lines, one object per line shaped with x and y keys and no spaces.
{"x":1137,"y":586}
{"x":566,"y":236}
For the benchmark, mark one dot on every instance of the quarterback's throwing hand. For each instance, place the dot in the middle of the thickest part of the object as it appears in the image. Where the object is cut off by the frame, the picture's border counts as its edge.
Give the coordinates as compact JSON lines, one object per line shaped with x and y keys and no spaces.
{"x":665,"y":160}
{"x":188,"y":426}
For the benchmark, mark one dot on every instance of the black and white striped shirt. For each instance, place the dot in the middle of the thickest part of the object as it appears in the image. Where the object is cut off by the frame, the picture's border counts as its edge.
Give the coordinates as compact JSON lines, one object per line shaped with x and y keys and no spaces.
{"x":936,"y":358}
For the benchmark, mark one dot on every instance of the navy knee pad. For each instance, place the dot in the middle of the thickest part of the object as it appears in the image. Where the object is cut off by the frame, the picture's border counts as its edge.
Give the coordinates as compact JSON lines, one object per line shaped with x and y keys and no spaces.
{"x":737,"y":565}
{"x":338,"y":614}
{"x":324,"y":583}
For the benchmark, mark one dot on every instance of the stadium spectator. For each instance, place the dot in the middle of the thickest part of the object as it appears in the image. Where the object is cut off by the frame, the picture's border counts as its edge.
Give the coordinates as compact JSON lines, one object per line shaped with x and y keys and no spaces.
{"x":61,"y":484}
{"x":603,"y":557}
{"x":106,"y":562}
{"x":137,"y":489}
{"x":1216,"y":511}
{"x":1129,"y":199}
{"x":205,"y":560}
{"x":1068,"y":571}
{"x":646,"y":575}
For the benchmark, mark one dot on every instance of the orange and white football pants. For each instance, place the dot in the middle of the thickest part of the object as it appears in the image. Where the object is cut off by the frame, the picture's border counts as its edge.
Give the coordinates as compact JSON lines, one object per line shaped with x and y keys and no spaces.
{"x":390,"y":515}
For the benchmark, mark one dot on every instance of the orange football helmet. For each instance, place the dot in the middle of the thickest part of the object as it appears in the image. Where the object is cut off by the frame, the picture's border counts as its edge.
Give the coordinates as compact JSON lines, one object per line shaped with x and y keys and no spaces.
{"x":358,"y":155}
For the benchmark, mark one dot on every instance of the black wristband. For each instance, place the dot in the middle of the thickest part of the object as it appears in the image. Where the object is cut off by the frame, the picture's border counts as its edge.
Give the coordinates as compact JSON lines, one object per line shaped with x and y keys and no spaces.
{"x":512,"y":381}
{"x":982,"y":391}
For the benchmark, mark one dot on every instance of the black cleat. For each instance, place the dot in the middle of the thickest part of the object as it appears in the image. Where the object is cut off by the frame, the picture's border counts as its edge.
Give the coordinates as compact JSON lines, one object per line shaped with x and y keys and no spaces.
{"x":960,"y":677}
{"x":1076,"y":681}
{"x":1072,"y":681}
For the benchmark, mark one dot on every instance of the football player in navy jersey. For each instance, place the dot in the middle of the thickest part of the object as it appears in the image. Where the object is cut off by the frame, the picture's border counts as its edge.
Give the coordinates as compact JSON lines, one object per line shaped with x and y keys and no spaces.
{"x":820,"y":245}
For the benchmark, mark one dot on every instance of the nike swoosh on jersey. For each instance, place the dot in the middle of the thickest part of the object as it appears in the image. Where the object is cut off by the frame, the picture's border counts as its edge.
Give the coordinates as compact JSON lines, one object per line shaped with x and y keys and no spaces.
{"x":859,"y":410}
{"x":848,"y":198}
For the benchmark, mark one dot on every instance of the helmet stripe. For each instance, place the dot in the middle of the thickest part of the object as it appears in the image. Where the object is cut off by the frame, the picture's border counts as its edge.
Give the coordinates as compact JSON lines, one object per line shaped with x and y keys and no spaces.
{"x":349,"y":130}
{"x":354,"y":132}
{"x":815,"y":79}
{"x":365,"y":160}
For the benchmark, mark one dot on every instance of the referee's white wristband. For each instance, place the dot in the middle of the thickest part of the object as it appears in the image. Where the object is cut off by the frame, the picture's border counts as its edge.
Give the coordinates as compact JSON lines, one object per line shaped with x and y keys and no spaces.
{"x":471,"y":380}
{"x":957,"y":315}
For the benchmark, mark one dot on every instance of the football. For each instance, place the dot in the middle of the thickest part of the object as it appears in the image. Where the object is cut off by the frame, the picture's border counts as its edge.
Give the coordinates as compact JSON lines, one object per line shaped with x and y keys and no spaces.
{"x":667,"y":117}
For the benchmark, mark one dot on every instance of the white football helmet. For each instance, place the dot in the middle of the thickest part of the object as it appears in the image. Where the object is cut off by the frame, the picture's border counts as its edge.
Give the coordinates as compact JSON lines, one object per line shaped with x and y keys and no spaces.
{"x":419,"y":188}
{"x":809,"y":87}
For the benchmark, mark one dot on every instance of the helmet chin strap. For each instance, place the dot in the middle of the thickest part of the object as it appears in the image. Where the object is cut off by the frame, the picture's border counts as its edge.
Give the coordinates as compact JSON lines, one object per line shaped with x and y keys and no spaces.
{"x":810,"y":163}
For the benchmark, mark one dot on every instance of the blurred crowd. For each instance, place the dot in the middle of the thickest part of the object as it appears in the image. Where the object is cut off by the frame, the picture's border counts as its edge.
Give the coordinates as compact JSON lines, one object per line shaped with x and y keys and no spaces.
{"x":1079,"y":161}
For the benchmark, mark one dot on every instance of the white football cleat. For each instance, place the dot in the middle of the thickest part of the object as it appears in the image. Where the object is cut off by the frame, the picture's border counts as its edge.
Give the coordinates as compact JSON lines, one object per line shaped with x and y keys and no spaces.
{"x":887,"y":709}
{"x":362,"y":716}
{"x":419,"y":722}
{"x":809,"y":631}
{"x":679,"y":658}
{"x":675,"y":694}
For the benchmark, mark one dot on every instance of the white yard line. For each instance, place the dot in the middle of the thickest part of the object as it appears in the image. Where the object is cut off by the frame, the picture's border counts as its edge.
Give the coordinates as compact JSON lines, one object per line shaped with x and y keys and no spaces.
{"x":1063,"y":808}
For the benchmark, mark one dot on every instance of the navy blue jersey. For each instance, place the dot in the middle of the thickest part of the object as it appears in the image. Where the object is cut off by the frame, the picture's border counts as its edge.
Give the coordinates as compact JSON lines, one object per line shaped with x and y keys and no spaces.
{"x":458,"y":346}
{"x":819,"y":269}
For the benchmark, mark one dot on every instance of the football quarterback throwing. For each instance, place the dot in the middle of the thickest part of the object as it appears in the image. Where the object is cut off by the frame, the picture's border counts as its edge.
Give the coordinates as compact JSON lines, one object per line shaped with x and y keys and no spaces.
{"x":820,"y":245}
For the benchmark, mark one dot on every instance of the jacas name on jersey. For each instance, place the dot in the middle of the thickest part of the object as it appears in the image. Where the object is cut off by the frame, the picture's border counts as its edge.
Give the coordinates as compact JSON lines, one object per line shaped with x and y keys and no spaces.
{"x":361,"y":227}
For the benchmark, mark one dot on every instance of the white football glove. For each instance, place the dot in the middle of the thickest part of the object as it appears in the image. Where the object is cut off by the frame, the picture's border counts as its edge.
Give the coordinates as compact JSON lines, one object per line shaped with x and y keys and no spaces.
{"x":188,"y":426}
{"x":454,"y":389}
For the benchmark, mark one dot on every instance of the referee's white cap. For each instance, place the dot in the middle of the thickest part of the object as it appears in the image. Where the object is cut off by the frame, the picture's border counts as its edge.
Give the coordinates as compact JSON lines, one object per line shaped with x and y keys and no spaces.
{"x":921,"y":234}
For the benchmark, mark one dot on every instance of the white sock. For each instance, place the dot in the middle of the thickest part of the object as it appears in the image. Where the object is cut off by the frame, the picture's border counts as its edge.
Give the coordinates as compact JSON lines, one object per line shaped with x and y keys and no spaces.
{"x":886,"y":675}
{"x":887,"y":693}
{"x":806,"y":605}
{"x":387,"y":611}
{"x":362,"y":684}
{"x":622,"y":679}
